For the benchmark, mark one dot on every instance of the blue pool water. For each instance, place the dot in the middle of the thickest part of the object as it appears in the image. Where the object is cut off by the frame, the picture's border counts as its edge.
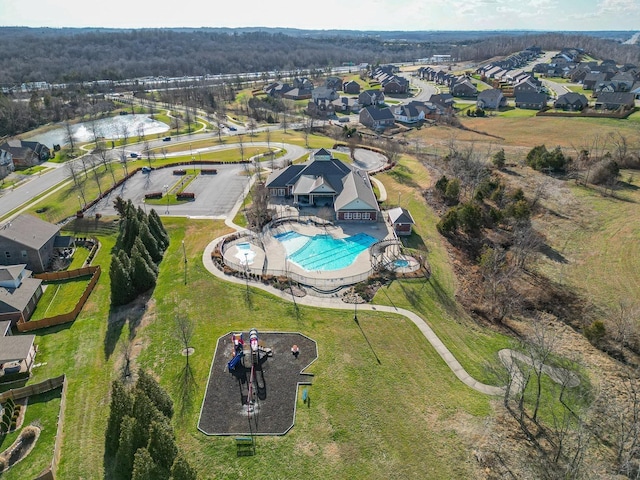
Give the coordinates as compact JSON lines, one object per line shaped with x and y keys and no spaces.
{"x":400,"y":263}
{"x":323,"y":252}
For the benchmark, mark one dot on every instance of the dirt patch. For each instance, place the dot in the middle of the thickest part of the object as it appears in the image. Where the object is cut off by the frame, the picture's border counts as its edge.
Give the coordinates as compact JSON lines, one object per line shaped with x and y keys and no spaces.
{"x":272,"y":381}
{"x":19,"y":450}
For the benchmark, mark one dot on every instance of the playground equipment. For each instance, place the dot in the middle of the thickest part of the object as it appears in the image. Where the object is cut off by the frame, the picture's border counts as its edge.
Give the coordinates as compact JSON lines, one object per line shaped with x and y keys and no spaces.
{"x":238,"y":349}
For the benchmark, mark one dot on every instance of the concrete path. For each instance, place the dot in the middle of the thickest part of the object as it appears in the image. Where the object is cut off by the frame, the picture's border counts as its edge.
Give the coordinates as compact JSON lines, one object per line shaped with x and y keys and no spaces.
{"x":333,"y":303}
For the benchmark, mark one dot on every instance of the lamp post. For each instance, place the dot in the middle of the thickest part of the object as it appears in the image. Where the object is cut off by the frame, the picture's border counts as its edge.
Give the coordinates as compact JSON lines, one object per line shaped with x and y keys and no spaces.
{"x":184,"y":254}
{"x":165,"y":188}
{"x":246,"y":271}
{"x":80,"y":202}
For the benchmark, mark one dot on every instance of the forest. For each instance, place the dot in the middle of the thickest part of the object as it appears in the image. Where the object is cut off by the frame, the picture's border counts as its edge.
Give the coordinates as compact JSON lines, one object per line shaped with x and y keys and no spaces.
{"x":77,"y":55}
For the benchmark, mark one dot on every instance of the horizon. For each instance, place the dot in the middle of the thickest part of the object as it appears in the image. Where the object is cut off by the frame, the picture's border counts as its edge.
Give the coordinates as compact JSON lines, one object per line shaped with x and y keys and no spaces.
{"x":379,"y":15}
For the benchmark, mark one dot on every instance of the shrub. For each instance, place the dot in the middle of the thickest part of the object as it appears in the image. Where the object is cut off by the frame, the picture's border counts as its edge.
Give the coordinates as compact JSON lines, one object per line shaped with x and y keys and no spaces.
{"x":595,"y":332}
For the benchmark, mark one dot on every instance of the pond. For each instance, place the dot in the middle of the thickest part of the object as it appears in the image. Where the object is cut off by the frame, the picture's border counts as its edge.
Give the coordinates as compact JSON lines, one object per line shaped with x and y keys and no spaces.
{"x":111,"y":128}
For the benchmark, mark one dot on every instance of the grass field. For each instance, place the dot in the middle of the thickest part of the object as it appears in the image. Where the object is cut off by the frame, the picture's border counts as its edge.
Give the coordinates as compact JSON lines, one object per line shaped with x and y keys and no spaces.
{"x":60,"y":297}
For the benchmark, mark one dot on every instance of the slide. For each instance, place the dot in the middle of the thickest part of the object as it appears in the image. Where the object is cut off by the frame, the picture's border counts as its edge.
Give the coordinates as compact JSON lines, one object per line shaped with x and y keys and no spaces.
{"x":233,"y":363}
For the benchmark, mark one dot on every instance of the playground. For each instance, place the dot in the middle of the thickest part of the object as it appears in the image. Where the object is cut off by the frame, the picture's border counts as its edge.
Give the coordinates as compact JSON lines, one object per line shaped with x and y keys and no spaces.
{"x":253,"y":383}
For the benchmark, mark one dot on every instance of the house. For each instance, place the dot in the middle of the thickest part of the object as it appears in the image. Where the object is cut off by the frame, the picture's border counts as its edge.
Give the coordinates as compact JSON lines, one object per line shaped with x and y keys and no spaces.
{"x":395,"y":84}
{"x":376,"y":118}
{"x":407,"y":113}
{"x":277,"y":89}
{"x":463,"y":87}
{"x":492,"y":98}
{"x":443,"y":100}
{"x":17,"y":352}
{"x":371,"y":97}
{"x":623,"y":81}
{"x":430,"y":110}
{"x":592,"y":79}
{"x":298,"y":94}
{"x":528,"y":84}
{"x":635,"y":89}
{"x":346,"y":105}
{"x":26,"y":154}
{"x":327,"y":181}
{"x":320,"y":109}
{"x":571,"y":101}
{"x":303,"y":83}
{"x":324,"y":93}
{"x":615,"y":101}
{"x":19,"y":293}
{"x":6,"y":163}
{"x":401,"y":220}
{"x":29,"y":240}
{"x":531,"y":100}
{"x":334,"y":83}
{"x":351,"y":87}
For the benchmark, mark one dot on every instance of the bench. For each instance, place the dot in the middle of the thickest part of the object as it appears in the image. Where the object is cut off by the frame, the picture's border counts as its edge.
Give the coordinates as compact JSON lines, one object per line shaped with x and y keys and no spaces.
{"x":245,"y":446}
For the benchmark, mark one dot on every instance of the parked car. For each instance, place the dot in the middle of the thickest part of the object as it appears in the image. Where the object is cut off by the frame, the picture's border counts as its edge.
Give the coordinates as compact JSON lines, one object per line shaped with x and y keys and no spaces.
{"x":166,"y":139}
{"x":146,"y":169}
{"x":133,"y":155}
{"x":232,"y":128}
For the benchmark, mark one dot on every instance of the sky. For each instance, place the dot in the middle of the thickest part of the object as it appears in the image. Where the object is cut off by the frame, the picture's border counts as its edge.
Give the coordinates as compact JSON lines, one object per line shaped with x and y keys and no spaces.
{"x":385,"y":15}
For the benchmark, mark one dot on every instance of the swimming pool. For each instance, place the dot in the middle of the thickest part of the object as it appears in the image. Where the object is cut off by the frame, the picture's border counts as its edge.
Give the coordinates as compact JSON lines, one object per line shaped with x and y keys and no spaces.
{"x":323,"y":252}
{"x":245,"y":254}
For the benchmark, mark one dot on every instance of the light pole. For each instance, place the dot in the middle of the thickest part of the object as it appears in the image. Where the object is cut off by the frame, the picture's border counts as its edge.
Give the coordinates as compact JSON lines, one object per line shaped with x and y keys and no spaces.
{"x":184,"y":254}
{"x":80,"y":202}
{"x":166,"y":194}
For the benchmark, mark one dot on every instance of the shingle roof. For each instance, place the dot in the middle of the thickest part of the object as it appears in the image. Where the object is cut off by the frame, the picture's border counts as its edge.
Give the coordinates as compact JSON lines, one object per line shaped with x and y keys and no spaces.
{"x":16,"y":299}
{"x":11,"y":272}
{"x":15,"y":348}
{"x":29,"y":231}
{"x":400,"y":215}
{"x":356,"y":187}
{"x":380,"y":113}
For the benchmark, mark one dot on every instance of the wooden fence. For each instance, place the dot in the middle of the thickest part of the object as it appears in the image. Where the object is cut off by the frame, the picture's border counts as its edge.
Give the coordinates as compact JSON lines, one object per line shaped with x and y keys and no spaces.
{"x":50,"y":384}
{"x":94,"y":271}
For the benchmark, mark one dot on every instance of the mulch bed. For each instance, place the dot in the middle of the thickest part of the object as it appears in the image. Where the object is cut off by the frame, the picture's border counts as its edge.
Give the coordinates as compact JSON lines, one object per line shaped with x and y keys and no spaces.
{"x":224,"y":410}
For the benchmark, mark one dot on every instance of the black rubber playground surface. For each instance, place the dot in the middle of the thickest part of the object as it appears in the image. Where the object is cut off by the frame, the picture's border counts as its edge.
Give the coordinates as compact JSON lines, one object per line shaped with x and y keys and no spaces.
{"x":225,"y":410}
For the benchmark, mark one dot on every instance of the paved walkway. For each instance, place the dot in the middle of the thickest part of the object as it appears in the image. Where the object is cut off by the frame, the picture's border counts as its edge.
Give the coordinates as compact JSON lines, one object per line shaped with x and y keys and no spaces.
{"x":333,"y":303}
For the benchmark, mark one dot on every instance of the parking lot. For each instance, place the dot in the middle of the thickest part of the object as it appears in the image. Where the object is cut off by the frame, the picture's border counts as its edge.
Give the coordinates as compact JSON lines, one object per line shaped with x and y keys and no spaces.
{"x":216,"y":194}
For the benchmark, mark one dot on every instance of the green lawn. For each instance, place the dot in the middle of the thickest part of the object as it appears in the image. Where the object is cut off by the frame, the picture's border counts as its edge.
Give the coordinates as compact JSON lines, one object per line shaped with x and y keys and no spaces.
{"x":42,"y":410}
{"x":60,"y":297}
{"x":512,"y":112}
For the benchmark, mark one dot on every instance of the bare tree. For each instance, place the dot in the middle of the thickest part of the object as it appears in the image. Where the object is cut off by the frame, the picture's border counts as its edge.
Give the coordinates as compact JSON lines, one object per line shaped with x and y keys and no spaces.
{"x":94,"y":169}
{"x":540,"y":346}
{"x":124,"y":134}
{"x":70,"y":137}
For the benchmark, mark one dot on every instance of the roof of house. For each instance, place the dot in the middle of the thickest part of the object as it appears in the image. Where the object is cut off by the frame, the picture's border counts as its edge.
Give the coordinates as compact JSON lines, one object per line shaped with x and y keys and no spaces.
{"x":14,"y":300}
{"x":11,"y":272}
{"x":572,"y":98}
{"x":531,"y":97}
{"x":356,"y":188}
{"x":400,"y":215}
{"x":621,"y":98}
{"x":5,"y":328}
{"x":29,"y":231}
{"x":380,"y":113}
{"x":15,"y":348}
{"x":490,"y":94}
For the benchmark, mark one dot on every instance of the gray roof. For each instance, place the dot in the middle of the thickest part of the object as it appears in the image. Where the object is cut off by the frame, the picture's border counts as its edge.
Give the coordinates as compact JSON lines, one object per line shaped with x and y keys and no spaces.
{"x":15,"y":348}
{"x":356,"y":187}
{"x":14,"y":300}
{"x":380,"y":113}
{"x":400,"y":215}
{"x":490,"y":94}
{"x":5,"y":327}
{"x":11,"y":272}
{"x":572,"y":98}
{"x":531,"y":97}
{"x":29,"y":231}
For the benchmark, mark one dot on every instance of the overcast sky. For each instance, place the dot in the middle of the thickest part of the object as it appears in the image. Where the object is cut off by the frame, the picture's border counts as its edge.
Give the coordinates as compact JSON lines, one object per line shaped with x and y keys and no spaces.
{"x":329,"y":14}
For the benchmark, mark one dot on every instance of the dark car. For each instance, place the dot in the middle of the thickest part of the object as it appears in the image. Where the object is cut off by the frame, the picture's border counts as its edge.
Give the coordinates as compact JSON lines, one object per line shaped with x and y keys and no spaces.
{"x":166,"y":139}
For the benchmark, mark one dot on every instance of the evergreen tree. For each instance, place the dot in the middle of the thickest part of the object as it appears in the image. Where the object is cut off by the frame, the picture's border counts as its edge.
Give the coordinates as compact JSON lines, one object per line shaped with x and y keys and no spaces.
{"x":126,"y":448}
{"x":130,"y":229}
{"x":143,"y":277}
{"x":120,"y":406}
{"x":499,"y":159}
{"x":145,"y":254}
{"x":144,"y":468}
{"x":122,"y":291}
{"x":150,"y":243}
{"x":120,"y":206}
{"x":162,"y":444}
{"x":144,"y":412}
{"x":181,"y":470}
{"x":156,"y":393}
{"x":157,"y":229}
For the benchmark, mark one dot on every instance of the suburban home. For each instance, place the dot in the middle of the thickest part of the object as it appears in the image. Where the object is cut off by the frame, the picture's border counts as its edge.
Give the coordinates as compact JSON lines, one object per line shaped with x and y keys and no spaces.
{"x":334,"y":83}
{"x":26,"y":154}
{"x":351,"y":87}
{"x":346,"y":105}
{"x":377,"y":118}
{"x":430,"y":110}
{"x":17,"y":352}
{"x":407,"y":113}
{"x":303,"y":83}
{"x":327,"y":181}
{"x":320,"y":108}
{"x":593,"y":78}
{"x":278,"y":89}
{"x":6,"y":163}
{"x":19,"y":293}
{"x":324,"y":93}
{"x":443,"y":100}
{"x":395,"y":84}
{"x":615,"y":101}
{"x":623,"y":81}
{"x":29,"y":240}
{"x":528,"y":84}
{"x":401,"y":220}
{"x":463,"y":87}
{"x":531,"y":100}
{"x":298,"y":94}
{"x":636,"y":90}
{"x":571,"y":101}
{"x":492,"y":98}
{"x":371,"y":97}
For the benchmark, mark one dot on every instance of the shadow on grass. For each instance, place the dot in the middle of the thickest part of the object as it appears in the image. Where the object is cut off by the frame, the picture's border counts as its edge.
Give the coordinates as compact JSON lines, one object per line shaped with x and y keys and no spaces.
{"x":414,"y":241}
{"x":355,"y":319}
{"x":403,"y":175}
{"x":130,"y":313}
{"x":552,"y":254}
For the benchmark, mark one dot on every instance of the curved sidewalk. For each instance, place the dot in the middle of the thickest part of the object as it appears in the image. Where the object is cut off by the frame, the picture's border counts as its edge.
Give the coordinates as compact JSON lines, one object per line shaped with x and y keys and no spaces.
{"x":322,"y":302}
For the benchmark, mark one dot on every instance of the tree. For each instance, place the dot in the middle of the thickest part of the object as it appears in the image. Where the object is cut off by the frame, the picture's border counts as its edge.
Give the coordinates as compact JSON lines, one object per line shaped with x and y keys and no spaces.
{"x":126,"y":447}
{"x":157,"y":230}
{"x":120,"y":406}
{"x":150,"y":242}
{"x":70,"y":137}
{"x":147,"y":384}
{"x":144,"y":468}
{"x":142,"y":250}
{"x":162,"y":444}
{"x":122,"y":291}
{"x":181,"y":470}
{"x":499,"y":159}
{"x":470,"y":217}
{"x":143,"y":277}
